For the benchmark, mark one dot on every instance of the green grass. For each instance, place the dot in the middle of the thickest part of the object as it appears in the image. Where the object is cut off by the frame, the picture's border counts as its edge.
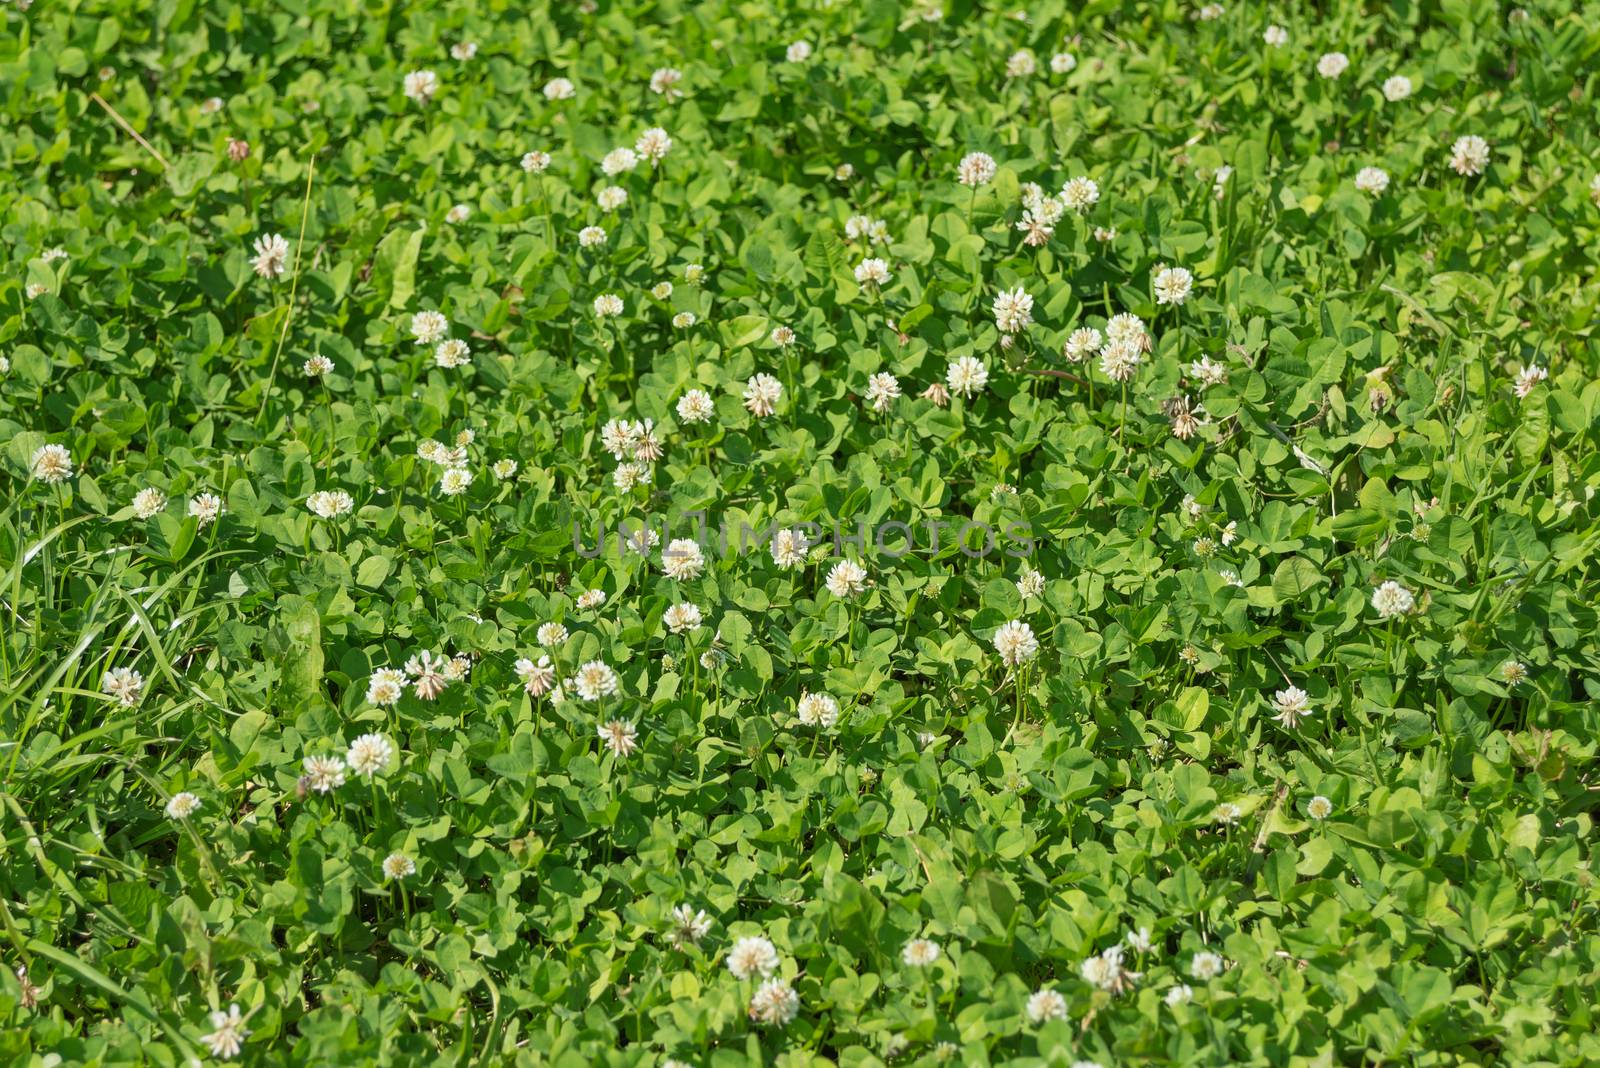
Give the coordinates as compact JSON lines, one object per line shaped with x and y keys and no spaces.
{"x":1361,"y":388}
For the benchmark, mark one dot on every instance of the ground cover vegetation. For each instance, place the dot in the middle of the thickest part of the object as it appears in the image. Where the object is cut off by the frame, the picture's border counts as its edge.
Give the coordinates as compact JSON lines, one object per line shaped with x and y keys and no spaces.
{"x":622,"y":533}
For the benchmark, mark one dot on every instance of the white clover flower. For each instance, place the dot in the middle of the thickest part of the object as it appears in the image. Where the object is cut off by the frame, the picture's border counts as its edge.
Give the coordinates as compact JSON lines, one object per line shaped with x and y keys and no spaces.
{"x":661,"y":290}
{"x":1333,"y":64}
{"x":761,"y":395}
{"x":1015,"y":643}
{"x":1208,"y":13}
{"x":682,"y":559}
{"x":51,"y":464}
{"x":919,"y":953}
{"x":966,"y":376}
{"x":1173,"y":285}
{"x":535,"y":162}
{"x":1020,"y":64}
{"x":205,"y":508}
{"x":752,"y":956}
{"x":1081,"y":343}
{"x":618,"y":160}
{"x":817,"y":710}
{"x":1392,"y":599}
{"x":611,"y":198}
{"x":537,"y":678}
{"x":1179,"y":994}
{"x":148,"y":502}
{"x":504,"y":468}
{"x":182,"y":806}
{"x":452,"y":353}
{"x":1219,"y":181}
{"x":1139,"y":941}
{"x":550,"y":635}
{"x":386,"y":687}
{"x":872,"y":270}
{"x":227,"y":1034}
{"x":271,"y":255}
{"x":1031,"y":584}
{"x":1035,"y":202}
{"x":1469,"y":155}
{"x":421,"y":85}
{"x":589,"y":237}
{"x":696,"y":406}
{"x":460,"y":213}
{"x":595,"y":679}
{"x":689,"y":925}
{"x":1080,"y":193}
{"x":1396,"y":88}
{"x":429,"y":327}
{"x":398,"y":866}
{"x":464,"y":50}
{"x":1206,"y":965}
{"x":683,"y":321}
{"x":1106,"y":972}
{"x":431,"y":674}
{"x":317,"y":366}
{"x":789,"y":548}
{"x":619,"y":736}
{"x":653,"y":145}
{"x":329,"y":504}
{"x":1013,"y":310}
{"x":1119,"y":360}
{"x":1527,"y":378}
{"x":369,"y":754}
{"x":1292,"y":705}
{"x":664,"y":81}
{"x":619,"y":436}
{"x":559,"y":89}
{"x":1275,"y":36}
{"x":1128,"y":327}
{"x":774,"y":1004}
{"x":1063,"y":63}
{"x":682,"y":617}
{"x":1319,"y":808}
{"x":323,"y":774}
{"x":1045,"y":1005}
{"x":1208,"y":372}
{"x":643,"y":541}
{"x":589,"y":599}
{"x":846,"y":579}
{"x":883,"y":389}
{"x":455,"y":481}
{"x":1037,"y":226}
{"x":975,"y":169}
{"x":798,"y":52}
{"x":782,"y":336}
{"x":1373,"y":180}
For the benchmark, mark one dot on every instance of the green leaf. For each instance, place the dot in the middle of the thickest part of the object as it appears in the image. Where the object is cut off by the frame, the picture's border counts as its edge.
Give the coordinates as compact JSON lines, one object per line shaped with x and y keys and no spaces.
{"x":394,"y":266}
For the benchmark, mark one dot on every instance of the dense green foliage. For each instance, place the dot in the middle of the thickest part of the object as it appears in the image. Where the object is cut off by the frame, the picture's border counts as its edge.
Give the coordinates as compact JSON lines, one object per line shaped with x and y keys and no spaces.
{"x":1374,"y":384}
